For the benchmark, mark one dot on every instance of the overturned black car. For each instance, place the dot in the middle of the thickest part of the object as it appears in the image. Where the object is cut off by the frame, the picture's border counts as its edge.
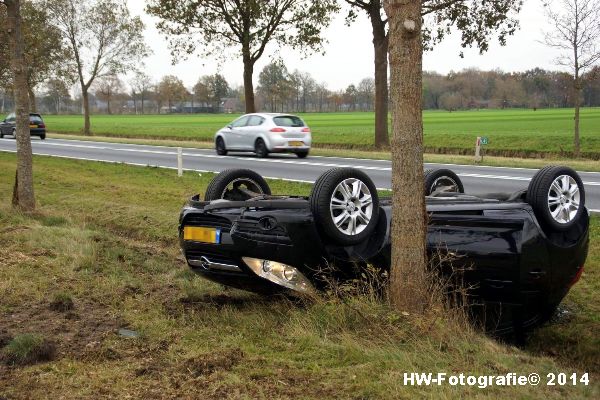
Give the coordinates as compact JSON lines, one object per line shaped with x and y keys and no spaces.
{"x":521,"y":252}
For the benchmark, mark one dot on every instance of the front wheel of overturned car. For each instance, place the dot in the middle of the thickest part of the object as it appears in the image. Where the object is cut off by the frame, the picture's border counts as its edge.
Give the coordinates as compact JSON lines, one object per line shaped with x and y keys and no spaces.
{"x":236,"y":185}
{"x":220,"y":147}
{"x":557,"y":197}
{"x":345,"y":205}
{"x":442,"y":180}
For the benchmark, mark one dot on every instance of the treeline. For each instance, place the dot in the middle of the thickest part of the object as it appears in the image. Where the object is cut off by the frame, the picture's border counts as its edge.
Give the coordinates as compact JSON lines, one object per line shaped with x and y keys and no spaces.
{"x":280,"y":90}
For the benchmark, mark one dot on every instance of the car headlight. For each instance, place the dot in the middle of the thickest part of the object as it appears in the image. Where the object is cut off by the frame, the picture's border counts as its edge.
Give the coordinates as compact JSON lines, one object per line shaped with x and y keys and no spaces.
{"x":280,"y":274}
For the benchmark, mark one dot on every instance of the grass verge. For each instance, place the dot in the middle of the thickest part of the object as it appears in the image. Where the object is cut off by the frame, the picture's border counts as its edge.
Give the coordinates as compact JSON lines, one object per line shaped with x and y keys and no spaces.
{"x":104,"y":237}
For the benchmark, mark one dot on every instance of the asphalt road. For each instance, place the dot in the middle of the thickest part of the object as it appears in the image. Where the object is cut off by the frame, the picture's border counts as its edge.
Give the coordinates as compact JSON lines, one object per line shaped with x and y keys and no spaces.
{"x":476,"y":179}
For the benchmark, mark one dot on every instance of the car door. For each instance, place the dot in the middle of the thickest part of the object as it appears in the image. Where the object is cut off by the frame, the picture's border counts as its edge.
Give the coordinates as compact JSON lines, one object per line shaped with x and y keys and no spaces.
{"x":252,"y":131}
{"x":234,"y":133}
{"x":8,"y":124}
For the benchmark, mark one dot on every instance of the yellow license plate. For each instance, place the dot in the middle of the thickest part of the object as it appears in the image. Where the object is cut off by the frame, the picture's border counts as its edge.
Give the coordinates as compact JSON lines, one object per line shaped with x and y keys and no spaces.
{"x":296,"y":143}
{"x":202,"y":234}
{"x":32,"y":126}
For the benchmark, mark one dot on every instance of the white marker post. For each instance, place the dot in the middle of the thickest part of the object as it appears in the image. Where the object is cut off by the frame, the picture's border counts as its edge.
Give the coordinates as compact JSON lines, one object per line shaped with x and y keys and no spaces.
{"x":478,"y":157}
{"x":179,"y":162}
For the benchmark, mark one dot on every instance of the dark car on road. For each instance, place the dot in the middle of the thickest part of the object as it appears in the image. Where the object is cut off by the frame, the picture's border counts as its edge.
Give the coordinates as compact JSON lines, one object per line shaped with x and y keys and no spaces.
{"x":37,"y":127}
{"x":517,"y":253}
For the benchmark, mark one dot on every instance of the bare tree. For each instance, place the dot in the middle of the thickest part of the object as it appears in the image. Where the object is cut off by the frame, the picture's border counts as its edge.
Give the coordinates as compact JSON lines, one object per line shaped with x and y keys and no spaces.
{"x":104,"y":38}
{"x":107,"y":87}
{"x":140,"y":86}
{"x":23,"y":195}
{"x":576,"y":33}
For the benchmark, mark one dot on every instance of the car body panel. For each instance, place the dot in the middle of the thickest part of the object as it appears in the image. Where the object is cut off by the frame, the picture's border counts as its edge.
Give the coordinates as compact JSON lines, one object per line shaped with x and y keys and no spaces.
{"x":500,"y":250}
{"x":8,"y":125}
{"x":243,"y":138}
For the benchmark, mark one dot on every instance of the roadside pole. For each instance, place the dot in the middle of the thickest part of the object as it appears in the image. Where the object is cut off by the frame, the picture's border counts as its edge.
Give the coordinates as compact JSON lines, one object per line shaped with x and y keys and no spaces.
{"x":478,"y":157}
{"x":179,"y":162}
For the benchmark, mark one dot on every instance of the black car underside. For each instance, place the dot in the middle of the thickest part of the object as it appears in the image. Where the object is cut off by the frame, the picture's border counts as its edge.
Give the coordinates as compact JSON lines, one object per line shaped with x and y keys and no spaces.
{"x":517,"y":269}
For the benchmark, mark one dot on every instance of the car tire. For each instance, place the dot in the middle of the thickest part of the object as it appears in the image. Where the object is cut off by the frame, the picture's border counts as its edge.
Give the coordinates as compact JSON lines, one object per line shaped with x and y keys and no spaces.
{"x":557,"y":196}
{"x":436,"y":179}
{"x":220,"y":147}
{"x":227,"y":183}
{"x":14,"y":133}
{"x":43,"y":136}
{"x":260,"y":148}
{"x":345,"y":205}
{"x":302,"y":154}
{"x":1,"y":134}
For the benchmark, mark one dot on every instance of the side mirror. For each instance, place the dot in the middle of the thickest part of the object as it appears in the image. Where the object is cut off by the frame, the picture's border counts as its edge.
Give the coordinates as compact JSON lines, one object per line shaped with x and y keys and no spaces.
{"x":230,"y":126}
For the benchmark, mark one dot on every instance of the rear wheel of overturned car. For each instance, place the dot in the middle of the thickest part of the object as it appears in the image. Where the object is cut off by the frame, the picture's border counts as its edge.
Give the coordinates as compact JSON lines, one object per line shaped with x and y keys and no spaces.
{"x":220,"y":147}
{"x":260,"y":148}
{"x":345,"y":205}
{"x":557,"y":197}
{"x":443,"y":180}
{"x":236,"y":185}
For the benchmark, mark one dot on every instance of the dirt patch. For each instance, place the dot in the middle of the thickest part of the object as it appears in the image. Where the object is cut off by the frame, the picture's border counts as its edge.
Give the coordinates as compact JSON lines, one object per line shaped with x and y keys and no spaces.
{"x":74,"y":332}
{"x":207,"y":364}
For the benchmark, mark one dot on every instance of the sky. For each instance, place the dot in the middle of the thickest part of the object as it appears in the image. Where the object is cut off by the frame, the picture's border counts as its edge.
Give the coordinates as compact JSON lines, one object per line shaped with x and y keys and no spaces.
{"x":348,"y":54}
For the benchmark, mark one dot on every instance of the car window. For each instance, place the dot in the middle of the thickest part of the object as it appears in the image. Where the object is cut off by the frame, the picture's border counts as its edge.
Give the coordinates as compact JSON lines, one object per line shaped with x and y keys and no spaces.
{"x":36,"y":119}
{"x":238,"y":123}
{"x":10,"y":117}
{"x":289,"y":121}
{"x":255,"y":120}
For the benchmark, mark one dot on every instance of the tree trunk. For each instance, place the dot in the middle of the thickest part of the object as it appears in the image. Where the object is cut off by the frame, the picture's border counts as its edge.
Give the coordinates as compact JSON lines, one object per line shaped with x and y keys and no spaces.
{"x":578,"y":88}
{"x":86,"y":111}
{"x":23,"y":195}
{"x":248,"y":84}
{"x":380,"y":44}
{"x":142,"y":99}
{"x":32,"y":100}
{"x":408,"y":286}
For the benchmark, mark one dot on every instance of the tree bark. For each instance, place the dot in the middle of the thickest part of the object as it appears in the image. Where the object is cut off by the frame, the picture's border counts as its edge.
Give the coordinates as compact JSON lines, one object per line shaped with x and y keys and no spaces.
{"x":23,"y":195}
{"x":380,"y":44}
{"x":248,"y":84}
{"x":86,"y":111}
{"x":578,"y":88}
{"x":408,"y":286}
{"x":32,"y":100}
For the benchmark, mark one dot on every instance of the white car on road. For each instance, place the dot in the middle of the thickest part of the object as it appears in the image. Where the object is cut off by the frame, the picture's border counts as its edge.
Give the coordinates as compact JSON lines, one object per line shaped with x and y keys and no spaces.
{"x":264,"y":133}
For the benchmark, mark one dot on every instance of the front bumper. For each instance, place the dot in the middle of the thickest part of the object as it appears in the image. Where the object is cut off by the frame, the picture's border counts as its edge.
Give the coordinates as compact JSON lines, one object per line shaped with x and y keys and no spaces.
{"x":229,"y":262}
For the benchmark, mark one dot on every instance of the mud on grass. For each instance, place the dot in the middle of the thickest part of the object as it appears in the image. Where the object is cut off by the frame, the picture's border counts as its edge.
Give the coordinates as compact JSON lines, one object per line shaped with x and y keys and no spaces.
{"x":104,"y":236}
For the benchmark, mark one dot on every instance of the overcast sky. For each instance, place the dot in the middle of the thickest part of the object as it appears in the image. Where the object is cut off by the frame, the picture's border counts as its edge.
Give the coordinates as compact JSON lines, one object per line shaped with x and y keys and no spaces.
{"x":349,"y":54}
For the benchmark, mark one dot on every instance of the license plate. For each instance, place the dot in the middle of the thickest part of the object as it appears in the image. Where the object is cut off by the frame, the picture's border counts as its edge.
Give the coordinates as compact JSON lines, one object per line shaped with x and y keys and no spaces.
{"x":32,"y":126}
{"x":296,"y":143}
{"x":202,"y":234}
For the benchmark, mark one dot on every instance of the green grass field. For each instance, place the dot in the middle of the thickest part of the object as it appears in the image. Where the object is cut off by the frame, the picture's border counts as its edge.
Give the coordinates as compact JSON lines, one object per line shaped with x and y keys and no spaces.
{"x":101,"y":254}
{"x":514,"y":132}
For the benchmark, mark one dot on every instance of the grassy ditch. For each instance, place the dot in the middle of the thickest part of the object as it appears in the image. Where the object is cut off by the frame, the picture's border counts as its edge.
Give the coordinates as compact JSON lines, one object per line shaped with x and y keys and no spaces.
{"x":96,"y":271}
